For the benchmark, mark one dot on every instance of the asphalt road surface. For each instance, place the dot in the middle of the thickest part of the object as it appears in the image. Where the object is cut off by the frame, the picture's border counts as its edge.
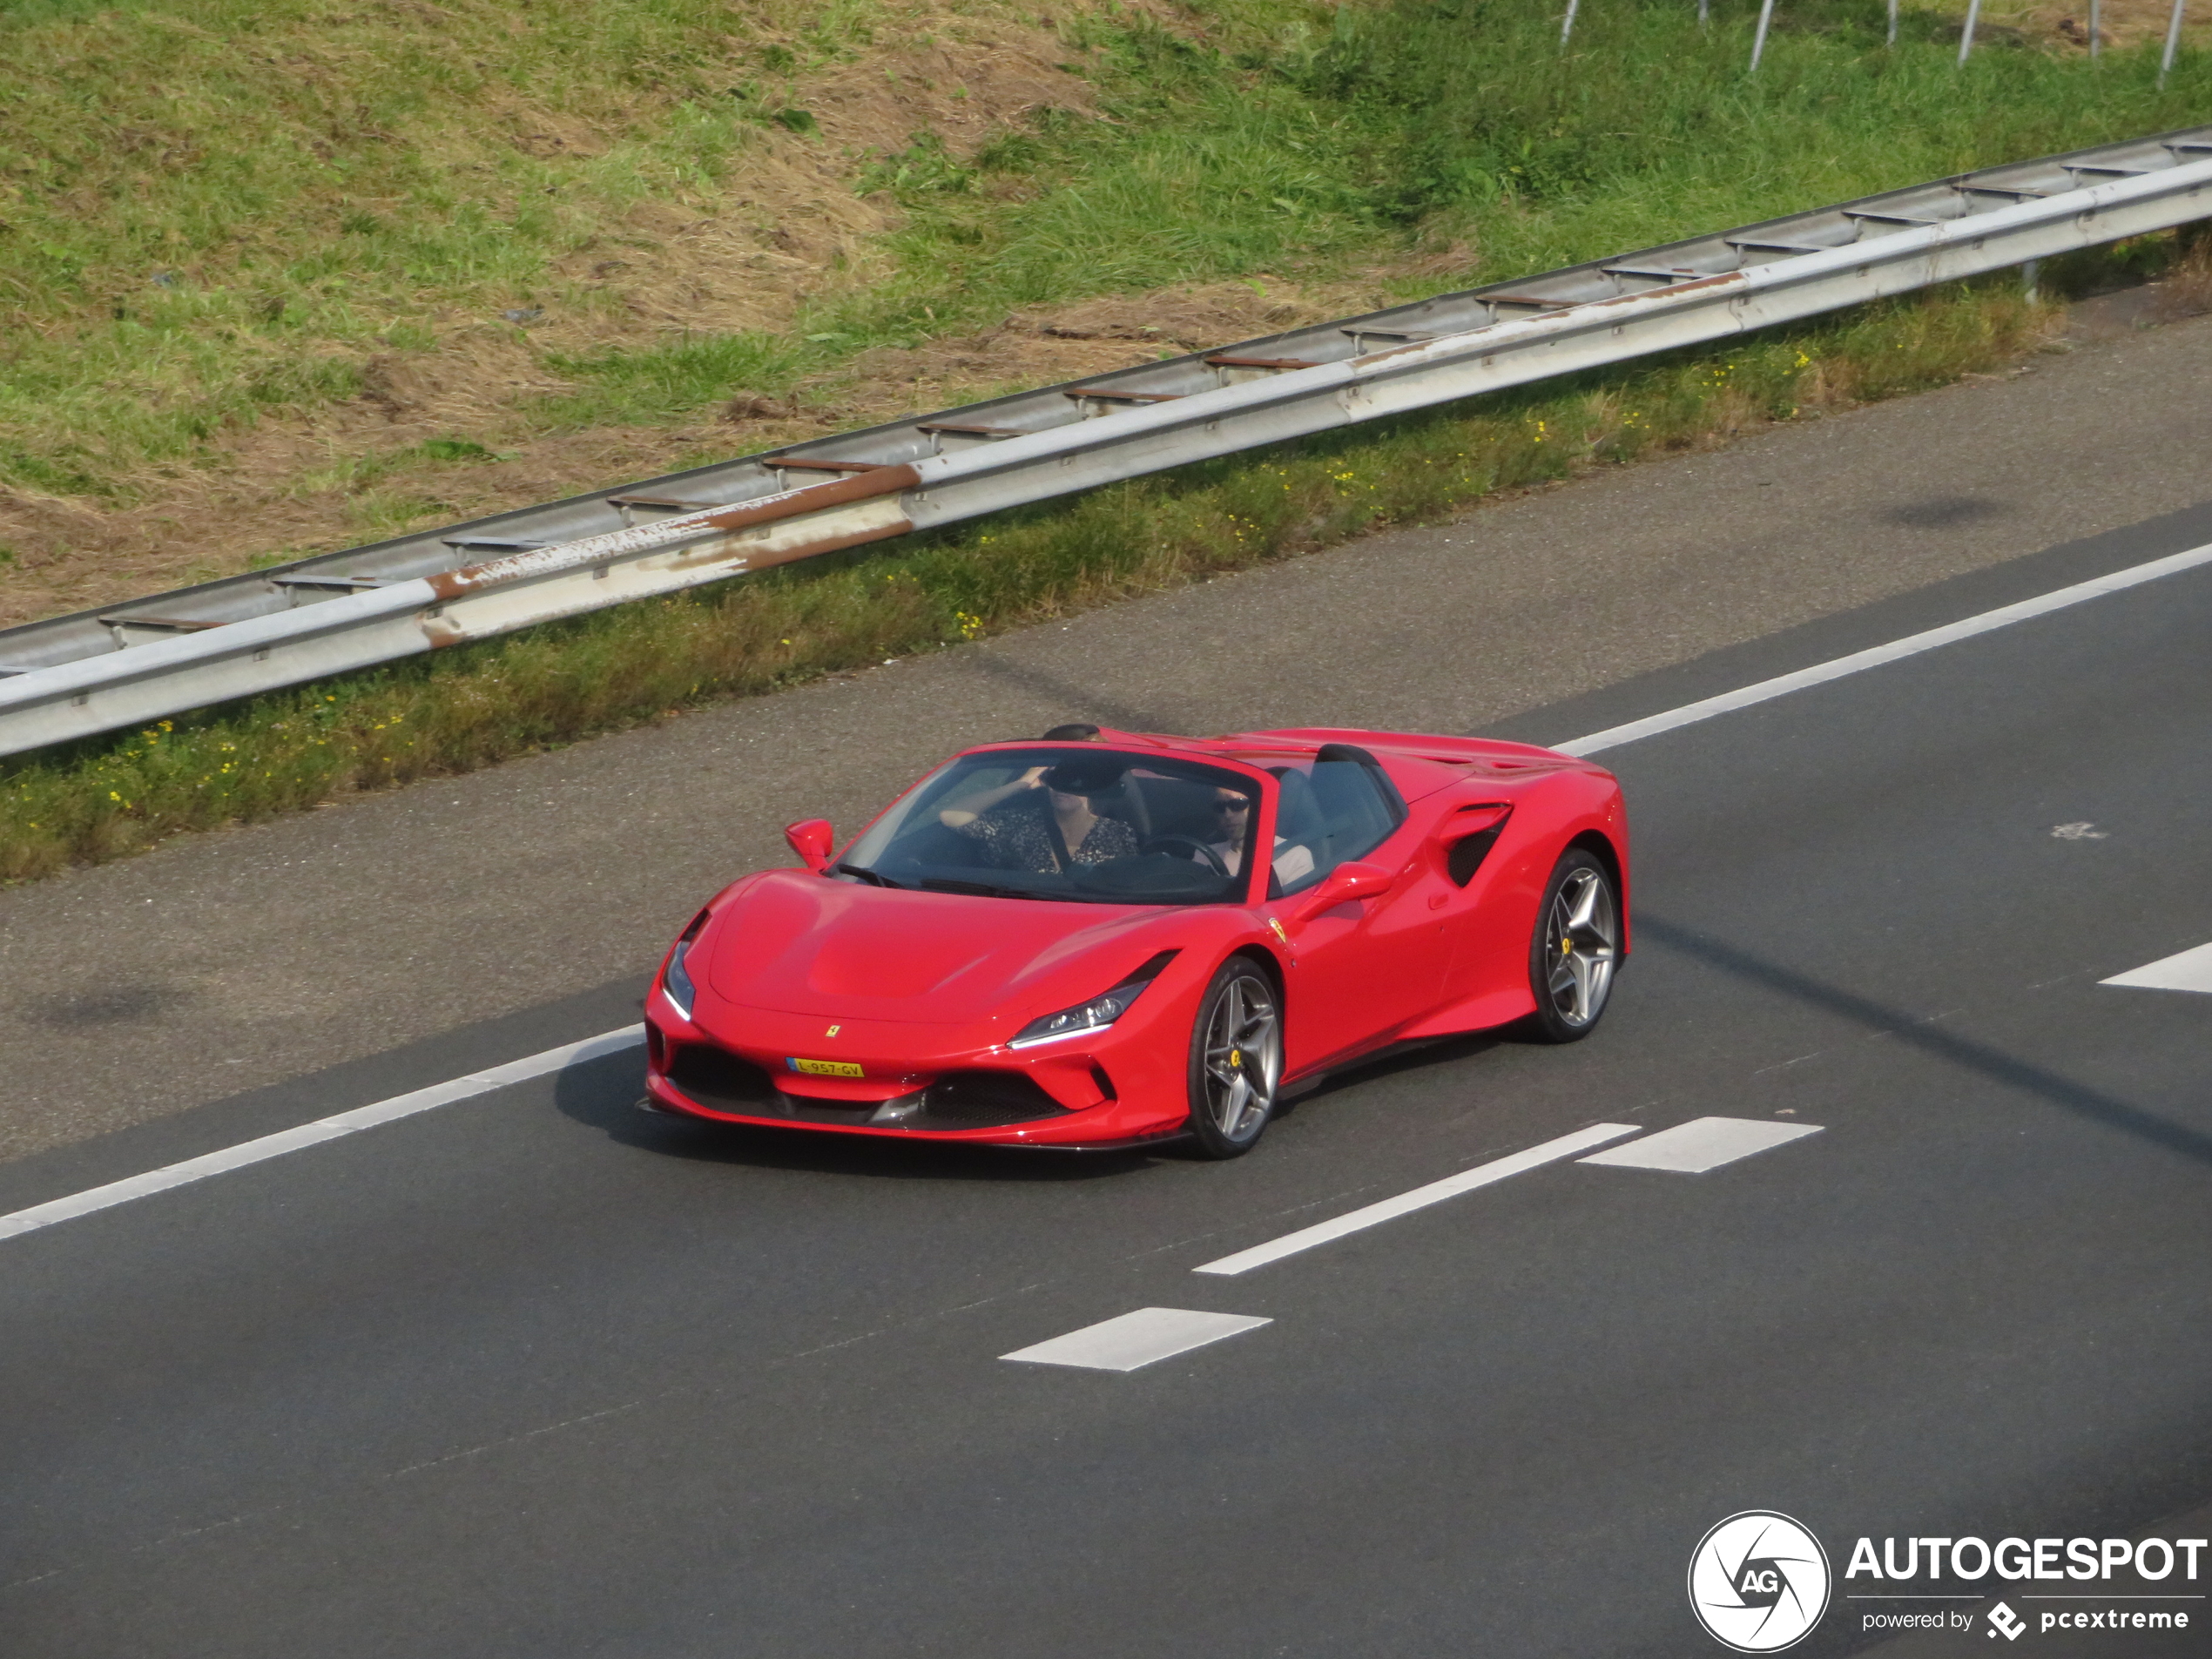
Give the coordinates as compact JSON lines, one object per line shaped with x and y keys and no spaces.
{"x":538,"y":1374}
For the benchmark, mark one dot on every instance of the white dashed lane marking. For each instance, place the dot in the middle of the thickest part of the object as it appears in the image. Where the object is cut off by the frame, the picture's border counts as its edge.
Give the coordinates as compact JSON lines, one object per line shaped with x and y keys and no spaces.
{"x":1139,"y":1339}
{"x":1702,"y":1143}
{"x":1419,"y":1198}
{"x":1136,"y":1338}
{"x":2190,"y":971}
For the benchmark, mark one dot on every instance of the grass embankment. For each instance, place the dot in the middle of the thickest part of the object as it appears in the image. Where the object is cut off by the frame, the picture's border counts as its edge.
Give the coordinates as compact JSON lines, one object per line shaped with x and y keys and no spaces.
{"x":1441,"y":143}
{"x":283,"y":275}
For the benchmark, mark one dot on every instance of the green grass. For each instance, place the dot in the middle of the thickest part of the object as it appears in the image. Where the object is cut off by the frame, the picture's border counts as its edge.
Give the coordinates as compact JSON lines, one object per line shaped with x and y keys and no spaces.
{"x":215,"y":213}
{"x":216,"y":209}
{"x":1345,"y":138}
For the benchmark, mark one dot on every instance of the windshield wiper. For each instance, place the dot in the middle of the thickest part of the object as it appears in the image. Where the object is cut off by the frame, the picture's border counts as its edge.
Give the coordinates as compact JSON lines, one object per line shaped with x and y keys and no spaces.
{"x":862,"y":872}
{"x":982,"y":889}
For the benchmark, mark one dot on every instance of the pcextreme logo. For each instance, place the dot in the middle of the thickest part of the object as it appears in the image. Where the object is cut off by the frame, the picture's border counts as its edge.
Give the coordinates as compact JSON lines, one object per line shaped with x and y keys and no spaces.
{"x":1758,"y":1581}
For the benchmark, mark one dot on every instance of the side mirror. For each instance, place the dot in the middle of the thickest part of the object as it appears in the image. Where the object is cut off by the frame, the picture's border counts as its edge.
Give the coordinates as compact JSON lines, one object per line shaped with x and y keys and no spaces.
{"x":814,"y":841}
{"x":1346,"y":882}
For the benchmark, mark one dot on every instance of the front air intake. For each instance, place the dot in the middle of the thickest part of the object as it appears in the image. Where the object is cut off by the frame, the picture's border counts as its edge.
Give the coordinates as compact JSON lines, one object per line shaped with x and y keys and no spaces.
{"x":720,"y":1080}
{"x":983,"y":1100}
{"x":723,"y":1082}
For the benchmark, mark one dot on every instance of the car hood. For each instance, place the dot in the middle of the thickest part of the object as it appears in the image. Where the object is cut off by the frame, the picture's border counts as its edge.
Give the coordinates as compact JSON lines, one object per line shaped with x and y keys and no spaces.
{"x":798,"y":944}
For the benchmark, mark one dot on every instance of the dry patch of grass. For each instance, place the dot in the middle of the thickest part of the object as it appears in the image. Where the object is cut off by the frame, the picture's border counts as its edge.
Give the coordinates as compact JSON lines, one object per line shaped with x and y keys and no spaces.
{"x":2185,"y":290}
{"x":2064,"y":24}
{"x":1040,"y":345}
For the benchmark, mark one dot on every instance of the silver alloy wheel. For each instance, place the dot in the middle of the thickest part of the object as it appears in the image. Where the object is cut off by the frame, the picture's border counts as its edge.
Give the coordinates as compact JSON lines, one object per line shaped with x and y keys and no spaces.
{"x":1582,"y":941}
{"x":1243,"y":1057}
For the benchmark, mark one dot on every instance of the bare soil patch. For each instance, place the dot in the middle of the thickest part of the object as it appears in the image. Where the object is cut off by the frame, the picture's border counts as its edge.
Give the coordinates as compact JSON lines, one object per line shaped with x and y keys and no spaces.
{"x":2122,"y":23}
{"x":1045,"y":345}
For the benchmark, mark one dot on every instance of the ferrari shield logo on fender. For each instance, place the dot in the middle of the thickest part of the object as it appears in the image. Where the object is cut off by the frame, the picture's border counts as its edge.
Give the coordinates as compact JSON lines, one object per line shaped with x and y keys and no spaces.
{"x":826,"y":1068}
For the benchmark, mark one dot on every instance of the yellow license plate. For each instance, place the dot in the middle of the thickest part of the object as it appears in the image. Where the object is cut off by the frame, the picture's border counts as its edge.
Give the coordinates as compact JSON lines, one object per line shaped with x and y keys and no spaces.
{"x":826,"y":1067}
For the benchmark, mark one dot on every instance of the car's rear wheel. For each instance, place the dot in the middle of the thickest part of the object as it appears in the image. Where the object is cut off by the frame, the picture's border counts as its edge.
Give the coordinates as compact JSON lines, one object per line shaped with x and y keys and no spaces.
{"x":1236,"y":1060}
{"x":1575,"y":949}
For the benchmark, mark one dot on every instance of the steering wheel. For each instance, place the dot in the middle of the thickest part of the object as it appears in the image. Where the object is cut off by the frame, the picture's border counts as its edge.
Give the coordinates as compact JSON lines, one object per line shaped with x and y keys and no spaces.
{"x":1206,"y":854}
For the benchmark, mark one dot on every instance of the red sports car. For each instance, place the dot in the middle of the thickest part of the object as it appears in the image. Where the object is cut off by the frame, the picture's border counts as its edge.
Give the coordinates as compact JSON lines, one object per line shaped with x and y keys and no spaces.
{"x":1132,"y":939}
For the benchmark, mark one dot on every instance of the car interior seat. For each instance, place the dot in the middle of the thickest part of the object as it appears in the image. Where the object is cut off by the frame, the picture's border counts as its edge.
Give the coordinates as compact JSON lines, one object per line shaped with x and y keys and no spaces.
{"x":1297,"y":819}
{"x":1354,"y":819}
{"x":1125,"y":801}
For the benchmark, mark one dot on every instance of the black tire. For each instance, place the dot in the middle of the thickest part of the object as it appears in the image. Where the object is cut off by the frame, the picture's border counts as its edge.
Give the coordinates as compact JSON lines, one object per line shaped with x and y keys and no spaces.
{"x":1574,"y":950}
{"x":1236,"y":1060}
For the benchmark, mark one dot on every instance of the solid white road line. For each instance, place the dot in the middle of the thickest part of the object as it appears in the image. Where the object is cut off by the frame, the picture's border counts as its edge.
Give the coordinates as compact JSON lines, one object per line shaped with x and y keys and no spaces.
{"x":1911,"y":645}
{"x":2190,"y":971}
{"x":1419,"y":1198}
{"x":1136,"y":1338}
{"x":1702,"y":1143}
{"x":326,"y":1128}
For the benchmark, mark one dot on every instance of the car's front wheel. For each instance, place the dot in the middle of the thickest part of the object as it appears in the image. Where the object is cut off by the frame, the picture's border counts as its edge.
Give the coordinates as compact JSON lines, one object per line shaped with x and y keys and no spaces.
{"x":1236,"y":1060}
{"x":1575,"y":949}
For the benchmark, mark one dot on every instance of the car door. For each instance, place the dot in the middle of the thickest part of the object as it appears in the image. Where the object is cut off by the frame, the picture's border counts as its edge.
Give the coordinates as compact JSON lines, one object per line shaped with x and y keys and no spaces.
{"x":1484,"y":911}
{"x":1357,"y":970}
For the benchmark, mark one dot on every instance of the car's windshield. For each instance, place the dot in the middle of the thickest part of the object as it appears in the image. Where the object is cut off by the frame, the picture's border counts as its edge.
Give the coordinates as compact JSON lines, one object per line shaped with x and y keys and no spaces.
{"x":1067,"y":823}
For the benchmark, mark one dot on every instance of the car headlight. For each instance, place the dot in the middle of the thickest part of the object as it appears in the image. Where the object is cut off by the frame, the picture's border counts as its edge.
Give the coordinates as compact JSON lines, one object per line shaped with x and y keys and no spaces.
{"x":675,"y":983}
{"x":1095,"y":1014}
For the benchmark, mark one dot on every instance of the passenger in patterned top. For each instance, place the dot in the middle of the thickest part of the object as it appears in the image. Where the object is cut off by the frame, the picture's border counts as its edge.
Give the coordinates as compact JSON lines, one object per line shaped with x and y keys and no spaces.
{"x":1028,"y":824}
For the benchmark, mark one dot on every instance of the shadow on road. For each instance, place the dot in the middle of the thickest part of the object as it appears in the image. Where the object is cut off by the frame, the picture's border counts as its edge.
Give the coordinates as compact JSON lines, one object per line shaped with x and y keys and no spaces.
{"x":1908,"y":1027}
{"x":605,"y":1095}
{"x":1404,"y":1056}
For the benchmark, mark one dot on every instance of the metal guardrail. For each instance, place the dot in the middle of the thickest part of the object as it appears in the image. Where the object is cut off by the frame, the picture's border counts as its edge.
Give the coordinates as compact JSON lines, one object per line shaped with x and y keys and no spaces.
{"x":100,"y":670}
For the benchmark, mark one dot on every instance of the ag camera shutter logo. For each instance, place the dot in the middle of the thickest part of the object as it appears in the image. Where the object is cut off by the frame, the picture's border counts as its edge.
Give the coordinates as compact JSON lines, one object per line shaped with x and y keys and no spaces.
{"x":1758,"y":1581}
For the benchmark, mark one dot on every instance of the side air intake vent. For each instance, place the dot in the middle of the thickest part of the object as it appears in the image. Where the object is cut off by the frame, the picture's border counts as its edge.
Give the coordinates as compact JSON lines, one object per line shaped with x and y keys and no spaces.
{"x":1467,"y":854}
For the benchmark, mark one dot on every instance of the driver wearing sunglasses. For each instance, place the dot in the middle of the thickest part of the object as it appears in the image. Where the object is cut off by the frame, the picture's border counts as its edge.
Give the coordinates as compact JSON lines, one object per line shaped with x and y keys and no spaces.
{"x":1232,"y":819}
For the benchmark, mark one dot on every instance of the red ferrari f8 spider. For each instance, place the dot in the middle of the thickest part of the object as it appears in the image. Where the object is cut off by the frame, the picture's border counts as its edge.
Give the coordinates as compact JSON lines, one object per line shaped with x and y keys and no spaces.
{"x":1138,"y":938}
